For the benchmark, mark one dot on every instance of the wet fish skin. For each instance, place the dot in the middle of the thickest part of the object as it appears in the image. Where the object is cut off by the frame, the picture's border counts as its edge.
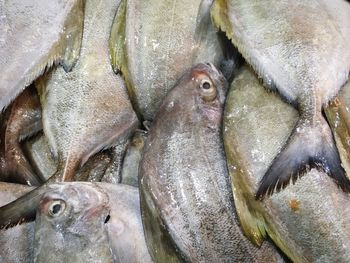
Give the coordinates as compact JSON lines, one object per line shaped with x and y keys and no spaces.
{"x":186,"y":198}
{"x":132,"y":159}
{"x":307,"y":60}
{"x":89,"y":222}
{"x":33,"y":36}
{"x":16,"y":244}
{"x":71,"y":222}
{"x":39,"y":155}
{"x":337,"y":113}
{"x":152,"y":55}
{"x":113,"y":173}
{"x":21,"y":120}
{"x":86,"y":110}
{"x":308,"y":220}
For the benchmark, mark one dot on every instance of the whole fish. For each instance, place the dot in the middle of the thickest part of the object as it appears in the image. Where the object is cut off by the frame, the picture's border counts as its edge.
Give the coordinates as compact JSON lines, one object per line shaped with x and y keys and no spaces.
{"x":87,"y":109}
{"x":186,"y":198}
{"x":34,"y":34}
{"x":153,"y":42}
{"x":21,"y":120}
{"x":302,"y":50}
{"x":16,"y":244}
{"x":308,"y":220}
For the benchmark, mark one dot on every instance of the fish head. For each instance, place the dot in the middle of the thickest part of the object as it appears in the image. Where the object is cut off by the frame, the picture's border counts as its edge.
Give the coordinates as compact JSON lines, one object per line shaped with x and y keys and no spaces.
{"x":201,"y":94}
{"x":69,"y":206}
{"x":71,"y":215}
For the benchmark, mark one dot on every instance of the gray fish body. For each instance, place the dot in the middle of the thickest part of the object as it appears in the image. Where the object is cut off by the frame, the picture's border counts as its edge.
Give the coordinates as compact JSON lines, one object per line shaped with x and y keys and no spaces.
{"x":86,"y":222}
{"x":88,"y":109}
{"x":34,"y":35}
{"x":186,"y":197}
{"x":22,"y":119}
{"x":16,"y":244}
{"x":308,"y":220}
{"x":153,"y":42}
{"x":300,"y":48}
{"x":132,"y":158}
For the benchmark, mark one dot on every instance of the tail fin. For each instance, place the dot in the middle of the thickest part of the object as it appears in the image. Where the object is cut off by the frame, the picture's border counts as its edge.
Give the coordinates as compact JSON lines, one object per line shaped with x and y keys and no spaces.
{"x":22,"y":209}
{"x":309,"y":146}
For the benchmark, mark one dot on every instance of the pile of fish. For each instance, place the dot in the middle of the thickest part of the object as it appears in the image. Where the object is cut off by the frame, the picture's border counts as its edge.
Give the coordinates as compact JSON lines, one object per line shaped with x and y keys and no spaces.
{"x":146,"y":131}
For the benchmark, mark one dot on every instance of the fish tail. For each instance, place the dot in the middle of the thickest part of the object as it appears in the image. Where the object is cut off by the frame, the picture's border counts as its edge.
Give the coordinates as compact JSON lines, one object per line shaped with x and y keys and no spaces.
{"x":22,"y":209}
{"x":311,"y":145}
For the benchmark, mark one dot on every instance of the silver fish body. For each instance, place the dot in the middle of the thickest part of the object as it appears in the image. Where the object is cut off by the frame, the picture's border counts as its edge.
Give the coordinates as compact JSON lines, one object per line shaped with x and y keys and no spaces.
{"x":186,"y":196}
{"x":88,"y":109}
{"x":89,"y":222}
{"x":302,"y":49}
{"x":308,"y":220}
{"x":33,"y":36}
{"x":153,"y":42}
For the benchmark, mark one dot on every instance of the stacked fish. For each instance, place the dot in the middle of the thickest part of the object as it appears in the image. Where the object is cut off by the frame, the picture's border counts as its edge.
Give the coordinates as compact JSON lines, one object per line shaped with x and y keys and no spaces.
{"x":144,"y":131}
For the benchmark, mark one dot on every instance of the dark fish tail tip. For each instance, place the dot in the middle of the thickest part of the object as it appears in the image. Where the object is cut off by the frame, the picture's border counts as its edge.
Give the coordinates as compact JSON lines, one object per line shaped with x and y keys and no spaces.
{"x":298,"y":156}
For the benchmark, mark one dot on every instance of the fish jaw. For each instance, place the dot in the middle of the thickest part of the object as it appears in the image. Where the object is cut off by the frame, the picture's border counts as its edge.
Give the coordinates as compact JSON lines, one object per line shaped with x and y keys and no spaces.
{"x":60,"y":46}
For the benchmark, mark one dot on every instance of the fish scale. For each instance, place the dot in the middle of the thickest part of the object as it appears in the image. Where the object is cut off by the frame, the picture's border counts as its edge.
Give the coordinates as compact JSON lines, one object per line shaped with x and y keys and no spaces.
{"x":33,"y":36}
{"x":302,"y":49}
{"x":308,"y":220}
{"x":153,"y":42}
{"x":186,"y":197}
{"x":88,"y":109}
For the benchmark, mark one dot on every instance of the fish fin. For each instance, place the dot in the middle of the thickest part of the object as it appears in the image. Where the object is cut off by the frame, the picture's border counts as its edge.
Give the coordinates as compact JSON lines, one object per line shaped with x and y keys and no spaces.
{"x":203,"y":22}
{"x":73,"y":35}
{"x":21,"y":210}
{"x":309,"y":146}
{"x":117,"y":38}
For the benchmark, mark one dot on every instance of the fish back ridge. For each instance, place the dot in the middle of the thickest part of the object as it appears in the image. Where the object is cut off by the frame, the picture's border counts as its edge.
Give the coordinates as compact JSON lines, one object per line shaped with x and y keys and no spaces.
{"x":310,"y":145}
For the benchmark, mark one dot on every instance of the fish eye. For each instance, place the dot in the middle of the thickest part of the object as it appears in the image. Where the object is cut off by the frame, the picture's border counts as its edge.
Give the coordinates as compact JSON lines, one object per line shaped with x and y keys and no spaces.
{"x":56,"y":208}
{"x":207,"y":89}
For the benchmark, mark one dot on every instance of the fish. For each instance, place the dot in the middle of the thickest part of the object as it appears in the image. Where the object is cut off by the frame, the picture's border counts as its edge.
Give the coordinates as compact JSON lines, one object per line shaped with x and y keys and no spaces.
{"x":132,"y":158}
{"x":153,"y":42}
{"x":308,"y":221}
{"x":301,"y":49}
{"x":16,"y":244}
{"x":89,"y":222}
{"x":87,"y":109}
{"x":21,"y":120}
{"x":186,"y":199}
{"x":34,"y":35}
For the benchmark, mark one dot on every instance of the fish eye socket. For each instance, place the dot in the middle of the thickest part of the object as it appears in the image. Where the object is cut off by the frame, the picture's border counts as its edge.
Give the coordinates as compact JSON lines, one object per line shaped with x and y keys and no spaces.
{"x":56,"y":208}
{"x":207,"y":89}
{"x":206,"y":85}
